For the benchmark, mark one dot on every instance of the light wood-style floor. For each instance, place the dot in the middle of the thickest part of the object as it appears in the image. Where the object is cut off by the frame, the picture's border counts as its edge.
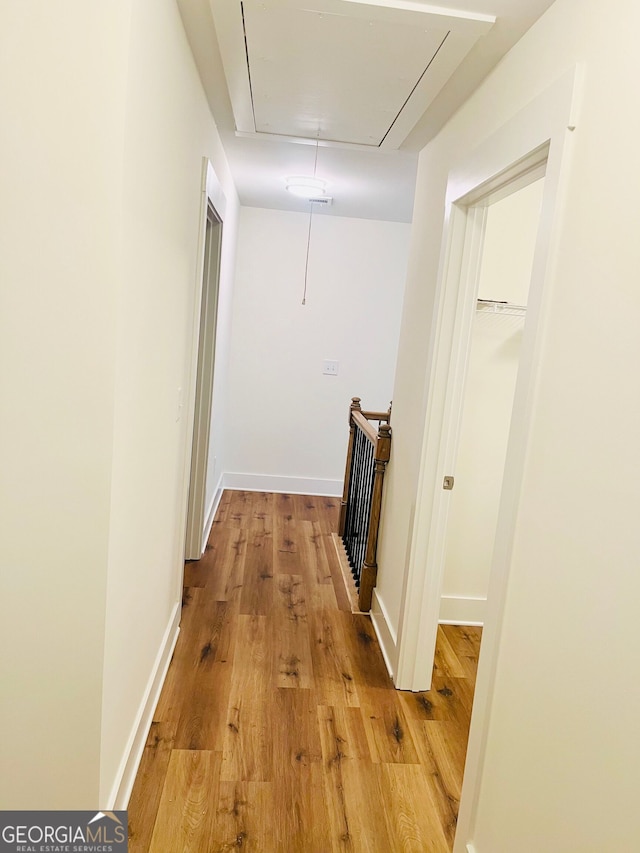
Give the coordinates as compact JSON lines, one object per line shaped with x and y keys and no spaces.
{"x":278,"y":729}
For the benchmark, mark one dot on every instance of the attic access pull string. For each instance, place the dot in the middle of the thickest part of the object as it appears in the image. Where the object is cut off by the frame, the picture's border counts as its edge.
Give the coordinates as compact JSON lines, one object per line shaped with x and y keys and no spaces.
{"x":311,"y":203}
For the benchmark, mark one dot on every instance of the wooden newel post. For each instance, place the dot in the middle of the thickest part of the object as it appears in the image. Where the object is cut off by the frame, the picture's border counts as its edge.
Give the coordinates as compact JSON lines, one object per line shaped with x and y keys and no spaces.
{"x":355,"y":406}
{"x":370,"y":565}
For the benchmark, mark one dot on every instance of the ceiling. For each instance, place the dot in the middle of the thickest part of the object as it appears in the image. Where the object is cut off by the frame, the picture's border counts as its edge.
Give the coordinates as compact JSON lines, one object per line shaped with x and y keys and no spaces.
{"x":348,"y":89}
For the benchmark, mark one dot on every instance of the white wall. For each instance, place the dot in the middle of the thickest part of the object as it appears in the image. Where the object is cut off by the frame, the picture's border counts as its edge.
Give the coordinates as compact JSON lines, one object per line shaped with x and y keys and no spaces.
{"x":507,"y":258}
{"x":62,"y":100}
{"x":168,"y":130}
{"x":560,"y":760}
{"x":287,"y":419}
{"x":510,"y":238}
{"x":101,"y":165}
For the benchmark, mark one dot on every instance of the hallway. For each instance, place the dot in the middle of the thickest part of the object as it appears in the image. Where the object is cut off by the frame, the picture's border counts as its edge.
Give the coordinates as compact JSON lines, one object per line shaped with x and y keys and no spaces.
{"x":278,"y":729}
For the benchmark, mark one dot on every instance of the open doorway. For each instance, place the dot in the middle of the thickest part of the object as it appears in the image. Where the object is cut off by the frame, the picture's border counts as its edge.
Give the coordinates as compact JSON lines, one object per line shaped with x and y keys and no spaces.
{"x":463,"y":254}
{"x":506,"y":262}
{"x":198,"y":502}
{"x":496,"y":340}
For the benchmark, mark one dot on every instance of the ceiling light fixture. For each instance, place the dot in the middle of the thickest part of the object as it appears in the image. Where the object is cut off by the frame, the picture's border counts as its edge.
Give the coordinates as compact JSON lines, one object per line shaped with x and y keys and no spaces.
{"x":307,"y":188}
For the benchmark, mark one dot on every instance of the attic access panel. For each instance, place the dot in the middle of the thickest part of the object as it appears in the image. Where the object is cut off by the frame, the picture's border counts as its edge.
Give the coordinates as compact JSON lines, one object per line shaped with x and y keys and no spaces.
{"x":342,"y":71}
{"x":348,"y":77}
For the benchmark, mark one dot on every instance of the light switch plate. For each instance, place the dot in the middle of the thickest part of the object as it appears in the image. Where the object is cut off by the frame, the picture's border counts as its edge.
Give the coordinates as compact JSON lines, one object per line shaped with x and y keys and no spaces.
{"x":330,"y":368}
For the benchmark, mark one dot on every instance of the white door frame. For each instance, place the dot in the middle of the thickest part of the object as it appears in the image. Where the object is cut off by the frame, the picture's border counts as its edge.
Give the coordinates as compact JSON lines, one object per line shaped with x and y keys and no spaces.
{"x":534,"y":142}
{"x":513,"y":154}
{"x":199,"y":400}
{"x":196,"y":509}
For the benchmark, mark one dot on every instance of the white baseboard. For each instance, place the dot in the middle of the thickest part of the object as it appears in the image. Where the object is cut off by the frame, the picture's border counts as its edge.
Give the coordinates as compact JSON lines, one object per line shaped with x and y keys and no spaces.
{"x":387,"y":637}
{"x":284,"y":485}
{"x":211,"y":514}
{"x":471,"y":848}
{"x":462,"y":610}
{"x":121,"y":791}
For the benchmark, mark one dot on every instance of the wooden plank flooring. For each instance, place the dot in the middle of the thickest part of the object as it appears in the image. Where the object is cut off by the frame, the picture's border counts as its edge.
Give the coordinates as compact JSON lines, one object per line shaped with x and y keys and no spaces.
{"x":278,"y":729}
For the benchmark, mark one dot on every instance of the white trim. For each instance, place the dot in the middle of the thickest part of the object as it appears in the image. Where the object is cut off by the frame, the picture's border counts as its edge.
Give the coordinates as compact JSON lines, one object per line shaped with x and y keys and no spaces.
{"x":462,"y":610}
{"x":465,"y":28}
{"x":126,"y":775}
{"x":192,"y":520}
{"x":284,"y":485}
{"x":457,"y":286}
{"x":211,"y":514}
{"x":471,"y":848}
{"x":510,"y":152}
{"x":427,"y":9}
{"x":549,"y":120}
{"x":384,"y":632}
{"x":303,"y":140}
{"x":214,"y":192}
{"x":345,"y":570}
{"x":229,"y":28}
{"x":211,"y":231}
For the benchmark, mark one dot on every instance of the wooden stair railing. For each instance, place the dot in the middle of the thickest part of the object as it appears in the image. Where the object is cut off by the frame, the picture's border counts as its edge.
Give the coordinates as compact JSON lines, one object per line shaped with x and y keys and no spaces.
{"x":367,"y":455}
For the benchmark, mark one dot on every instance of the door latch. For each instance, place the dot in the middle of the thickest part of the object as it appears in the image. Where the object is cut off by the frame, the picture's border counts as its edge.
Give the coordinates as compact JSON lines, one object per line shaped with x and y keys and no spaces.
{"x":447,"y":483}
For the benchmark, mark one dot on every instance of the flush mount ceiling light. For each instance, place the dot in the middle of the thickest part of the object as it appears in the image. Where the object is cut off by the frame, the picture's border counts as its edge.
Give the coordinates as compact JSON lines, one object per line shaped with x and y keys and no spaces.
{"x":308,"y":188}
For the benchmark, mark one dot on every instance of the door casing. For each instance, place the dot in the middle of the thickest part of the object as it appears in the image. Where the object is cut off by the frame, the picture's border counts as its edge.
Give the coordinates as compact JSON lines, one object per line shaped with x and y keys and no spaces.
{"x":535,"y":142}
{"x":198,"y":401}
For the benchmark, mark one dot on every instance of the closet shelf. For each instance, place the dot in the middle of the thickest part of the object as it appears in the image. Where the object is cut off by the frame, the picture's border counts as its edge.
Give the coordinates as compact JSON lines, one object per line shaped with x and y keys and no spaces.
{"x":490,"y":306}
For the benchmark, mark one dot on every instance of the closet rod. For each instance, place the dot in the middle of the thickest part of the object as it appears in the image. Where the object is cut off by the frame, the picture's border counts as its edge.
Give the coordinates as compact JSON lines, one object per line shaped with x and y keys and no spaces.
{"x":492,"y":306}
